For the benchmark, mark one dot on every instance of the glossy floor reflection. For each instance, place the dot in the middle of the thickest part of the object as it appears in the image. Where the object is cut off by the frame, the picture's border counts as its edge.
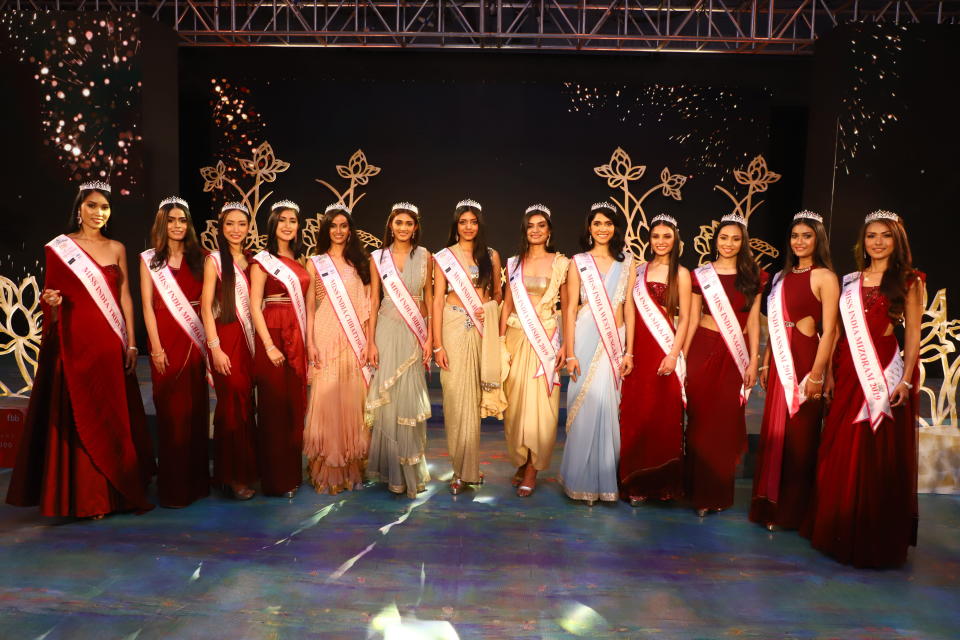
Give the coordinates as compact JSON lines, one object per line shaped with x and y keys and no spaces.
{"x":484,"y":564}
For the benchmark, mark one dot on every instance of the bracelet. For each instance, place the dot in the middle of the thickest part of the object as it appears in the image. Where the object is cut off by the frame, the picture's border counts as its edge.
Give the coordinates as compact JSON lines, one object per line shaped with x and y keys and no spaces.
{"x":571,"y":358}
{"x":628,"y":355}
{"x":763,"y":368}
{"x":820,"y":381}
{"x":157,"y":354}
{"x":907,"y":385}
{"x":134,"y":349}
{"x":271,"y":348}
{"x":670,"y":355}
{"x":438,"y":349}
{"x":213,"y":344}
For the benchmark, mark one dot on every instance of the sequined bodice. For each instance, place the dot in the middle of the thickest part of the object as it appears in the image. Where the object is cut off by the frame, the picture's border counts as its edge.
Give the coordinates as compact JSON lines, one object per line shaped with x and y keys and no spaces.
{"x":658,"y":291}
{"x":536,"y":285}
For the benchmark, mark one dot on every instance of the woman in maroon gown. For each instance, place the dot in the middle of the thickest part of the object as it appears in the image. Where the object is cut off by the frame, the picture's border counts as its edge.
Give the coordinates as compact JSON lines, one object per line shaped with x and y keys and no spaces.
{"x":716,"y":435}
{"x":807,"y":297}
{"x":864,"y":510}
{"x":651,"y":409}
{"x":280,"y":362}
{"x":178,"y":363}
{"x":85,"y":450}
{"x":224,"y":307}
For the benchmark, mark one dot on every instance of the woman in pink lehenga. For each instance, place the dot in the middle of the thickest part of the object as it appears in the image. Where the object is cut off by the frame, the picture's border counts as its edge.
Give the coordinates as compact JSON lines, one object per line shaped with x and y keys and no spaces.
{"x":335,"y":438}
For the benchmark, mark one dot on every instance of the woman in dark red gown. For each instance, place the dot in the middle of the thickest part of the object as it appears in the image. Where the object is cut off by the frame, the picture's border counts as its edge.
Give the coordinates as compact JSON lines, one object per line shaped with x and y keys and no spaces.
{"x":651,"y":409}
{"x":716,"y":434}
{"x":85,"y":451}
{"x":230,"y":340}
{"x":178,"y":363}
{"x":280,"y":362}
{"x":864,"y":510}
{"x":787,"y":459}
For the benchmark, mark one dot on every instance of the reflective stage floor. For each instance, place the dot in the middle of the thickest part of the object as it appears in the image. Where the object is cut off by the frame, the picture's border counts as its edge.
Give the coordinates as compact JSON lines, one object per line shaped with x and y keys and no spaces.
{"x":484,"y":564}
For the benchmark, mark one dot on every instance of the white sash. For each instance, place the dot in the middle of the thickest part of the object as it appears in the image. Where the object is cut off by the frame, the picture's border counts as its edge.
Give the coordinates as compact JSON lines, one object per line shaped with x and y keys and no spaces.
{"x":780,"y":348}
{"x":545,"y":346}
{"x":657,"y":324}
{"x":602,"y":310}
{"x":165,"y":285}
{"x":241,"y":296}
{"x":402,"y":299}
{"x":275,"y":267}
{"x":461,"y":284}
{"x":875,"y":382}
{"x":726,"y":320}
{"x":343,"y":307}
{"x":91,"y":277}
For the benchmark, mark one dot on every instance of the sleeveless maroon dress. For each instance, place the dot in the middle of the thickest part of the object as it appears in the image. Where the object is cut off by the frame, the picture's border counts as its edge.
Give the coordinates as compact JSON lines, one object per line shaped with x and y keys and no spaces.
{"x":864,"y":510}
{"x":787,"y":458}
{"x":182,"y":400}
{"x":651,"y":419}
{"x":716,"y":434}
{"x":281,"y":391}
{"x":234,"y":455}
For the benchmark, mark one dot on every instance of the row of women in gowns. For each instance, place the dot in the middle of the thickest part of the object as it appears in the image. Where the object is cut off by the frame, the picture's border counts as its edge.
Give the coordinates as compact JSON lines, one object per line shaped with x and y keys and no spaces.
{"x":336,"y":351}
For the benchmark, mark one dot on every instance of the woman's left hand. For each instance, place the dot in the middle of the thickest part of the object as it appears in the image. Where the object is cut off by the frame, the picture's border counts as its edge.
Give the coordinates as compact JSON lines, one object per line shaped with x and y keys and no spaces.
{"x":899,"y":395}
{"x":627,"y":365}
{"x":667,"y":365}
{"x":813,"y":390}
{"x":750,"y":377}
{"x":130,"y":360}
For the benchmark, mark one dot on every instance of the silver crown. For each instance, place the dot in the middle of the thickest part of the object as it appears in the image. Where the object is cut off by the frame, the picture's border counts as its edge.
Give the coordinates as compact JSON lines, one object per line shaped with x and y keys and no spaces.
{"x":406,"y":206}
{"x":285,"y":204}
{"x":234,"y":206}
{"x":881,"y":214}
{"x":174,"y":200}
{"x":99,"y":185}
{"x":734,"y":217}
{"x":337,"y":206}
{"x":664,"y":217}
{"x":602,"y":205}
{"x":473,"y":204}
{"x":808,"y":215}
{"x":539,"y":208}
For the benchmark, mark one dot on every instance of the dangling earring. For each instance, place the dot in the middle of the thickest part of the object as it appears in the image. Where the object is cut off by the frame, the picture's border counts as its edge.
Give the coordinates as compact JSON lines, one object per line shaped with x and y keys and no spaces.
{"x":590,"y":242}
{"x":79,"y":220}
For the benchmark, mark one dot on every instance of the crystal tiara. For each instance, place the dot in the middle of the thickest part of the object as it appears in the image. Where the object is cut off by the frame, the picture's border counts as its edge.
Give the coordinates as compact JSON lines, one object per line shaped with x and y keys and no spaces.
{"x":881,"y":214}
{"x":174,"y":200}
{"x":99,"y":185}
{"x":337,"y":206}
{"x":405,"y":206}
{"x":285,"y":204}
{"x":539,"y":208}
{"x":665,"y":218}
{"x":602,"y":205}
{"x":809,"y":215}
{"x":734,"y":217}
{"x":473,"y":204}
{"x":231,"y":206}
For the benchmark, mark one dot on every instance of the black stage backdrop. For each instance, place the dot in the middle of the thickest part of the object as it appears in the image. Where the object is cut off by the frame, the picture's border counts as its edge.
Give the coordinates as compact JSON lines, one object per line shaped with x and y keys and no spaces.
{"x":506,"y":129}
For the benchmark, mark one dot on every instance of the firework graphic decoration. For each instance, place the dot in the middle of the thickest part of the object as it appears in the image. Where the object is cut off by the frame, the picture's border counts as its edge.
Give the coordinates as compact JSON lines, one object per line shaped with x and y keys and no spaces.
{"x":90,"y":89}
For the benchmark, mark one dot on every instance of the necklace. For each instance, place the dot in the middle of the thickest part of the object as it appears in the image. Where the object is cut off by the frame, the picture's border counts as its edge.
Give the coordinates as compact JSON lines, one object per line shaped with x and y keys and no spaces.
{"x":801,"y":269}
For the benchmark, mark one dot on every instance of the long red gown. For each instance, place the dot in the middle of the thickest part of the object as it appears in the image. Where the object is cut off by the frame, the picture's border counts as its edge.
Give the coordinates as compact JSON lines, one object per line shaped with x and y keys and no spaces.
{"x":651,"y":419}
{"x":182,"y":400}
{"x":281,"y":391}
{"x":716,"y":425}
{"x":864,"y":510}
{"x":85,"y":449}
{"x":234,"y":454}
{"x":787,"y":458}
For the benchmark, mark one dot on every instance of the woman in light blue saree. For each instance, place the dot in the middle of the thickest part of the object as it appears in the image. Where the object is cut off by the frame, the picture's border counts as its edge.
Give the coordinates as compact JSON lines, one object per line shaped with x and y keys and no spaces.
{"x":594,"y":335}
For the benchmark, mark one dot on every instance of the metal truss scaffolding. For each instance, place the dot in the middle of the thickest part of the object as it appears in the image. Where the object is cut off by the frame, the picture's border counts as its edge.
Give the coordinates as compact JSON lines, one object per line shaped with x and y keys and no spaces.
{"x":714,"y":26}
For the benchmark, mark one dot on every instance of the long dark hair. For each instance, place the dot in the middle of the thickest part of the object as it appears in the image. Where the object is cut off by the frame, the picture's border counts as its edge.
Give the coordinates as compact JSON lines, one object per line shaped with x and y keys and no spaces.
{"x":481,"y":255}
{"x":192,"y":254}
{"x":73,"y":225}
{"x":228,"y":303}
{"x":296,"y":245}
{"x":899,"y":274}
{"x":524,"y":243}
{"x":616,"y":241}
{"x":673,"y":267}
{"x":388,"y":232}
{"x":748,"y":273}
{"x":821,"y":252}
{"x":353,"y":252}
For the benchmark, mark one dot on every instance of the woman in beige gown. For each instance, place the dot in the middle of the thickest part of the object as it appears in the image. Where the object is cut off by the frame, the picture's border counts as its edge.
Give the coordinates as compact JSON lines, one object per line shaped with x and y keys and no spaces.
{"x":335,"y":439}
{"x":468,"y":355}
{"x":533,"y":391}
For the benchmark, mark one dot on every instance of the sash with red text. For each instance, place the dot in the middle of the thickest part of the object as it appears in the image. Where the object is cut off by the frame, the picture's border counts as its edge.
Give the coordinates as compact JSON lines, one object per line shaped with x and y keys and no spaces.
{"x":460,"y":282}
{"x":602,"y":310}
{"x":657,"y":324}
{"x":241,"y":295}
{"x":545,"y":346}
{"x":343,"y":307}
{"x":780,"y":347}
{"x":275,"y":267}
{"x":726,"y":321}
{"x":402,"y":299}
